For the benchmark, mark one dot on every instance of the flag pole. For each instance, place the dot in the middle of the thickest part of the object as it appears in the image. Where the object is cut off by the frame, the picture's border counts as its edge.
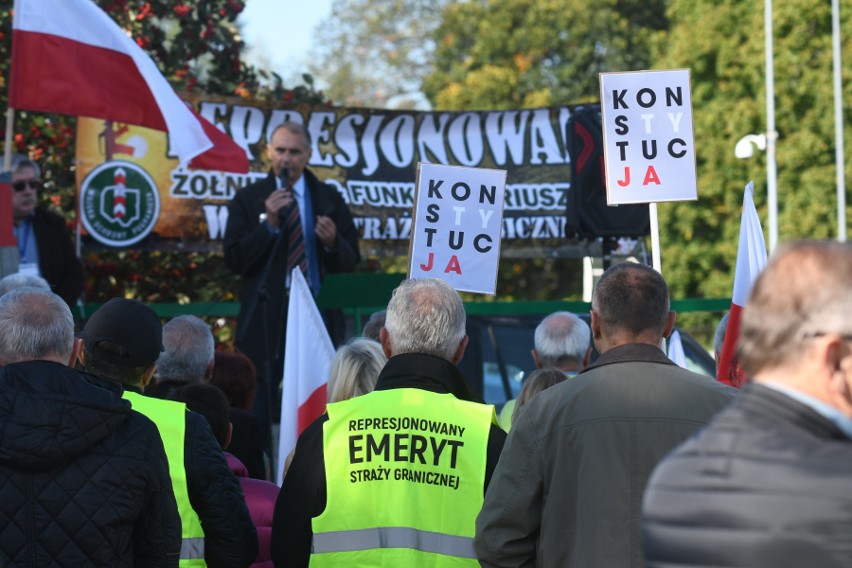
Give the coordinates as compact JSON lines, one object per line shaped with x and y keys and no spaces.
{"x":7,"y":152}
{"x":771,"y":133}
{"x":655,"y":236}
{"x":9,"y":250}
{"x":838,"y":122}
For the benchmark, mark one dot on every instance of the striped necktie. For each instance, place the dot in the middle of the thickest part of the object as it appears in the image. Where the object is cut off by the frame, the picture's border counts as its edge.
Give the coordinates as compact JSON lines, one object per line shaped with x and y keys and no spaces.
{"x":296,"y":242}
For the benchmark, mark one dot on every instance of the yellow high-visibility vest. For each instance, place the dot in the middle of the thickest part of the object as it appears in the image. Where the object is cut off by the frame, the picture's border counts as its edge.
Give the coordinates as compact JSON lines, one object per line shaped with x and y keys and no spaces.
{"x":170,"y":418}
{"x":405,"y":470}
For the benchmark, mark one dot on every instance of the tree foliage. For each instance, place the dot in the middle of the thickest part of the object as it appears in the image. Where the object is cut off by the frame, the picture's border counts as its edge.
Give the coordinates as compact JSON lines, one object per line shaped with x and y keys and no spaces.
{"x":520,"y":53}
{"x":699,"y":240}
{"x":526,"y":53}
{"x":372,"y":52}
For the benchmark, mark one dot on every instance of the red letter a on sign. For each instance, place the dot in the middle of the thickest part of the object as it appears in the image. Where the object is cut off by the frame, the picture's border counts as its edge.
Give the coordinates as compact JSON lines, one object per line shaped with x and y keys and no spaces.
{"x":453,"y":266}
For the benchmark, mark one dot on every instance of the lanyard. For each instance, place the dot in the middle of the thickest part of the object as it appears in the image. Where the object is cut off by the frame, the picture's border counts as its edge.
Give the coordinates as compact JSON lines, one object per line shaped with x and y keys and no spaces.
{"x":25,"y":237}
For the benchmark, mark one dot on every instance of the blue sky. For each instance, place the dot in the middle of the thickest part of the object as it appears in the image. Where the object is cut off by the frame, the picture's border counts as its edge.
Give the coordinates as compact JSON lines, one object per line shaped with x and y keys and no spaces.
{"x":280,"y":32}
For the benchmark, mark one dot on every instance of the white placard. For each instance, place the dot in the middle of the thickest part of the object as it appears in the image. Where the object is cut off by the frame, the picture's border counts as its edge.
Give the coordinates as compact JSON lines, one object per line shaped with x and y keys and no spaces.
{"x":458,"y":216}
{"x":649,"y":146}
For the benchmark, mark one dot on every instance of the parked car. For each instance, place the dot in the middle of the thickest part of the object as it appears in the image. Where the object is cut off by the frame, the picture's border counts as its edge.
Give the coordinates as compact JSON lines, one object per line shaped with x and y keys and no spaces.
{"x":498,"y":356}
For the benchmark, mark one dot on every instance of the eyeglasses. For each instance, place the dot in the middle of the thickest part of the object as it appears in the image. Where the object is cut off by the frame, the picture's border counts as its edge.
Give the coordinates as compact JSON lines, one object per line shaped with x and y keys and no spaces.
{"x":815,"y":334}
{"x":22,"y":185}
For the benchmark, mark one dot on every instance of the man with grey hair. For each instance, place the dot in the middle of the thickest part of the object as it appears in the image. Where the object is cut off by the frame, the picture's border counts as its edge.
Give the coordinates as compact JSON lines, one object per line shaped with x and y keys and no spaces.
{"x":85,"y":479}
{"x":419,"y":443}
{"x":187,"y":357}
{"x":21,"y":280}
{"x":44,"y":242}
{"x":568,"y":489}
{"x":768,"y":483}
{"x":562,"y":341}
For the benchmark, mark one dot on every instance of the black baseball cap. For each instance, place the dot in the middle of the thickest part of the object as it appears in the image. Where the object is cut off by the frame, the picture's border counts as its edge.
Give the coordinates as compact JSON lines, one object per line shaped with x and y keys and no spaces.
{"x":129,"y":324}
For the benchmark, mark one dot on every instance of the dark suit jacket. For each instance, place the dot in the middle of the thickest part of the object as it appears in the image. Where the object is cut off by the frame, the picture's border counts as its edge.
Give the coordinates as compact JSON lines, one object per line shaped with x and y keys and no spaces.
{"x":248,"y":245}
{"x":57,"y":260}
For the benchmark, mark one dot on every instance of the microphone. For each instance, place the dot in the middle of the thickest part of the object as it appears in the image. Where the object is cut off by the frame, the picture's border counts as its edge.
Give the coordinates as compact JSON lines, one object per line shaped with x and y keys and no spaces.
{"x":284,"y":212}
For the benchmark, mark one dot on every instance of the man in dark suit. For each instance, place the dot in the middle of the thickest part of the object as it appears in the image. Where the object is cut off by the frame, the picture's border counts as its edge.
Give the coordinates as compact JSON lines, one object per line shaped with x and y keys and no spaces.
{"x":268,"y":224}
{"x":44,"y":242}
{"x":768,"y":483}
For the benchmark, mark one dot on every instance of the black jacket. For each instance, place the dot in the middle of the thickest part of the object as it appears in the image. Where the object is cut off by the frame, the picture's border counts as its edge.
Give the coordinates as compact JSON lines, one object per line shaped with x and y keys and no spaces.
{"x":303,"y":494}
{"x":230,"y":538}
{"x":83,"y":479}
{"x":249,"y":243}
{"x":768,"y":484}
{"x":57,"y":261}
{"x":245,"y":437}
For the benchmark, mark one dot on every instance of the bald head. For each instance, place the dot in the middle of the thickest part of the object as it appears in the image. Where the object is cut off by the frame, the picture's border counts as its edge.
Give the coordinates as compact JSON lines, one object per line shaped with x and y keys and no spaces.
{"x":562,"y":341}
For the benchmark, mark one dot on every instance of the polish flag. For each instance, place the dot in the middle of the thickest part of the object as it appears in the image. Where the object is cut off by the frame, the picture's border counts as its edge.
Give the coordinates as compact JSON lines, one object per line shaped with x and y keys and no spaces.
{"x":751,"y":260}
{"x":70,"y":57}
{"x":308,"y":353}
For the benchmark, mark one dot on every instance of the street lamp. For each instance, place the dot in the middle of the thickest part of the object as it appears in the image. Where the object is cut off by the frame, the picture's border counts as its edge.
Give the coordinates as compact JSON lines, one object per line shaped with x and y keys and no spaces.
{"x":746,"y":145}
{"x":744,"y":150}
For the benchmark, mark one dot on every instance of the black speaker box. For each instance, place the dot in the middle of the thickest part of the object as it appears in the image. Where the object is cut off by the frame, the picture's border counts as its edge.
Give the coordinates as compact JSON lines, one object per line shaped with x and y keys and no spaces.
{"x":588,"y":216}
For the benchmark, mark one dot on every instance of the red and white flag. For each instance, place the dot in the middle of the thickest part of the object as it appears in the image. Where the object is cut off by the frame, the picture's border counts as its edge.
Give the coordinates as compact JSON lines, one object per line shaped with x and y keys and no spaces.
{"x":751,"y":260}
{"x":70,"y":57}
{"x":308,"y":353}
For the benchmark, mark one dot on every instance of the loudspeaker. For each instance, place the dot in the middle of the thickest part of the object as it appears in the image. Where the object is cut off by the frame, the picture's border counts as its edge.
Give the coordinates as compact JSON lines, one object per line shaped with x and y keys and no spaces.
{"x":587,"y":215}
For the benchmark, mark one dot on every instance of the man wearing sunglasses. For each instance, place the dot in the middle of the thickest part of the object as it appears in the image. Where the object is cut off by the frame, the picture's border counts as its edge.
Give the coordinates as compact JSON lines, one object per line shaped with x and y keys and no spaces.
{"x":44,"y":242}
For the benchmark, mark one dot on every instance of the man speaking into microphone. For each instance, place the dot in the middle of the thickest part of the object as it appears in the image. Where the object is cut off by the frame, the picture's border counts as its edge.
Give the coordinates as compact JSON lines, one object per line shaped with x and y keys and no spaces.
{"x":286,"y":220}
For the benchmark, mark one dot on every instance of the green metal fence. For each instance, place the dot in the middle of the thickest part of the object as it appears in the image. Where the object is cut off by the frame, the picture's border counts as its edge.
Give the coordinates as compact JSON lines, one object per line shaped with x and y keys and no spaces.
{"x":361,"y":294}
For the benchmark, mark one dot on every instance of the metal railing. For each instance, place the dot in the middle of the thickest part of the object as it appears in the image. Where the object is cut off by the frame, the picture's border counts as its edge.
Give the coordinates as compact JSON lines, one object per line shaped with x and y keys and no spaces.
{"x":361,"y":294}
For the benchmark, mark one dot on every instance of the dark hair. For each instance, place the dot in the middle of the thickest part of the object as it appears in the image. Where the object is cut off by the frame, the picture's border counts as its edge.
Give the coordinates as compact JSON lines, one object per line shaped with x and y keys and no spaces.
{"x":236,"y":376}
{"x":98,"y":364}
{"x":209,"y":402}
{"x":631,"y":297}
{"x":538,"y":381}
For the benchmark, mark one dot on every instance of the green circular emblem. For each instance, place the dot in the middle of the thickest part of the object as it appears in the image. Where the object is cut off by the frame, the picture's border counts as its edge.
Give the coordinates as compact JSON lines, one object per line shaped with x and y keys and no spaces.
{"x":119,"y":203}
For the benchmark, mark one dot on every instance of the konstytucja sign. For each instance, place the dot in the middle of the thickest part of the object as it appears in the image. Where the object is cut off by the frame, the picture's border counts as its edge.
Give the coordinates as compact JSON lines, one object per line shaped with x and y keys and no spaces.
{"x":368,"y":155}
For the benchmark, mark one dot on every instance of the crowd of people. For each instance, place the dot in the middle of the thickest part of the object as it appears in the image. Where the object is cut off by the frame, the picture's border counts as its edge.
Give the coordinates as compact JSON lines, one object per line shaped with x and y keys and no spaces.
{"x":127,"y":442}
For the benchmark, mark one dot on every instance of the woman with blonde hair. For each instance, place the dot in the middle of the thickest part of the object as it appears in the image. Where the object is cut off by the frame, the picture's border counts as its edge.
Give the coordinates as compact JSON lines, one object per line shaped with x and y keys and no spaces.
{"x":539,"y":380}
{"x":355,"y":369}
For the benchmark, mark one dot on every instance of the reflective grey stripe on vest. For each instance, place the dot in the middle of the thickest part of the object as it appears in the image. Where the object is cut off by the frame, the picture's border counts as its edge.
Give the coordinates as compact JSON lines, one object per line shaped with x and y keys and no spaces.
{"x":393,"y":537}
{"x":192,"y":548}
